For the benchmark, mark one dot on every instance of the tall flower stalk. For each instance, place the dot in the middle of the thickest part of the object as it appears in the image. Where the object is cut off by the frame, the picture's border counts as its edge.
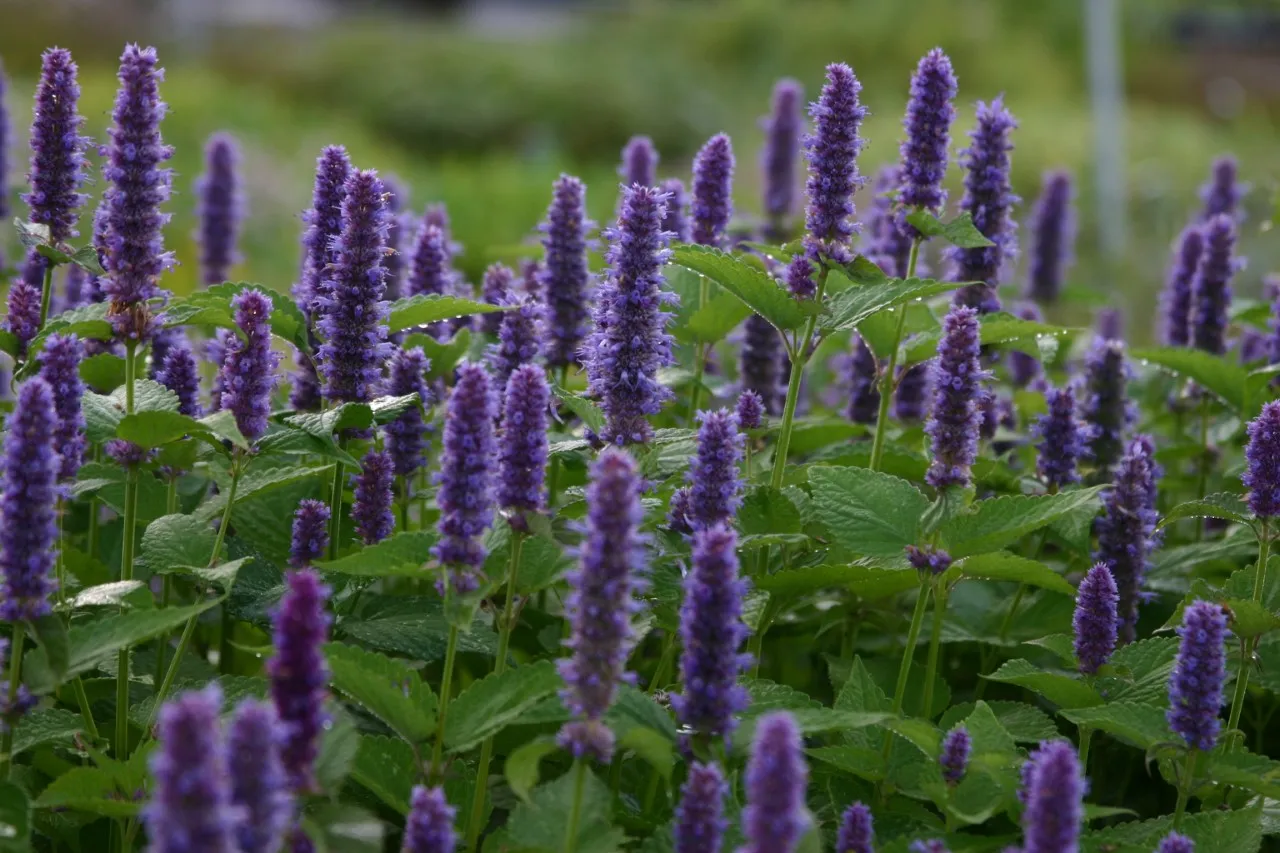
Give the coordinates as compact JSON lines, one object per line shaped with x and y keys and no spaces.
{"x":1195,"y":690}
{"x":221,"y":208}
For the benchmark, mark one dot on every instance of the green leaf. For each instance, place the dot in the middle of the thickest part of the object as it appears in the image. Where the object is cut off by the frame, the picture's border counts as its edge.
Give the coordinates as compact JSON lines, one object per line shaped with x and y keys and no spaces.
{"x":148,"y":396}
{"x":1224,"y":378}
{"x":89,"y":789}
{"x":444,"y":355}
{"x":15,"y":819}
{"x":1142,"y":726}
{"x":177,"y":540}
{"x":1218,"y":831}
{"x":749,"y":283}
{"x":523,"y":765}
{"x":1024,"y":723}
{"x":1062,"y":690}
{"x":401,"y":555}
{"x":540,"y":823}
{"x":993,"y":330}
{"x":1004,"y":566}
{"x":339,"y":744}
{"x":41,"y":727}
{"x":1242,"y":769}
{"x":766,"y":510}
{"x":588,"y":412}
{"x":1139,"y":672}
{"x":867,"y":512}
{"x":222,"y":425}
{"x":414,"y":311}
{"x":869,"y":582}
{"x":51,"y":633}
{"x":103,"y":372}
{"x":388,"y":768}
{"x":258,"y":481}
{"x":9,"y":344}
{"x":342,"y":828}
{"x":699,"y":322}
{"x":854,"y":306}
{"x":102,"y":415}
{"x":960,"y":232}
{"x":995,"y":523}
{"x":1224,"y":505}
{"x":414,"y":626}
{"x":153,"y":429}
{"x":211,"y":306}
{"x":495,"y":702}
{"x":389,"y":689}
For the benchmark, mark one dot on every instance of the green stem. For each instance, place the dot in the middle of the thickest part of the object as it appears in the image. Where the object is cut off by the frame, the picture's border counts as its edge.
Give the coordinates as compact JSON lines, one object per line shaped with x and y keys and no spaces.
{"x":1086,"y":738}
{"x":756,"y":644}
{"x":666,"y":661}
{"x":46,"y":292}
{"x":888,"y":381}
{"x":799,"y":358}
{"x":505,"y":628}
{"x":15,"y":681}
{"x":170,"y":507}
{"x":86,"y":710}
{"x":1184,"y":787}
{"x":127,"y":546}
{"x":904,"y":668}
{"x":446,"y":686}
{"x":1202,"y":483}
{"x":935,"y":644}
{"x":335,"y":508}
{"x":699,"y":357}
{"x":575,"y":811}
{"x":1247,"y":646}
{"x":1013,"y":608}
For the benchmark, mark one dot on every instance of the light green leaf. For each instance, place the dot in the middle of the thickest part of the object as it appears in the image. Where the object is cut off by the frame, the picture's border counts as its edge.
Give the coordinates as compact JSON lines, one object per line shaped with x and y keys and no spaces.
{"x":1142,"y":726}
{"x":523,"y":765}
{"x":103,"y":372}
{"x":48,"y":726}
{"x":1226,"y":831}
{"x":1139,"y":672}
{"x":444,"y":355}
{"x":1062,"y":690}
{"x":697,"y":322}
{"x":868,"y":512}
{"x":1224,"y":505}
{"x":389,"y":689}
{"x":588,"y":412}
{"x":177,"y":540}
{"x":388,"y":768}
{"x":749,"y":283}
{"x":153,"y":429}
{"x":342,"y":828}
{"x":15,"y":819}
{"x":1221,"y":376}
{"x":414,"y":311}
{"x":492,"y":703}
{"x":148,"y":396}
{"x":1024,"y":723}
{"x":855,"y":305}
{"x":960,"y":232}
{"x":222,"y":425}
{"x":997,"y":522}
{"x":1004,"y":566}
{"x":540,"y":823}
{"x":993,"y":330}
{"x":88,"y":789}
{"x":401,"y":555}
{"x":258,"y":481}
{"x":113,"y":594}
{"x":211,"y":306}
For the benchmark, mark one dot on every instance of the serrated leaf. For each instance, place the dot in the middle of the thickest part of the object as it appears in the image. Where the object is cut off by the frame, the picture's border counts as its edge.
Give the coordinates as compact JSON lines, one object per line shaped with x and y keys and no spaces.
{"x":960,"y":232}
{"x":222,"y":424}
{"x":388,"y":768}
{"x":588,"y":412}
{"x":769,"y":696}
{"x":101,"y":416}
{"x":866,"y":581}
{"x":1061,"y":645}
{"x":702,"y":322}
{"x":113,"y":594}
{"x":177,"y":540}
{"x":868,"y":512}
{"x":148,"y":396}
{"x":540,"y":823}
{"x":491,"y":704}
{"x":997,"y":522}
{"x":89,"y":789}
{"x":1139,"y":672}
{"x":1224,"y":505}
{"x":757,"y":290}
{"x":103,"y":372}
{"x":414,"y":311}
{"x":414,"y":626}
{"x":1004,"y":566}
{"x":389,"y":689}
{"x":211,"y":306}
{"x":48,"y":726}
{"x":153,"y":429}
{"x":854,"y":306}
{"x":1243,"y":769}
{"x":1237,"y":831}
{"x":993,"y":330}
{"x":1024,"y":723}
{"x":1142,"y":726}
{"x":342,"y":828}
{"x":401,"y":555}
{"x":765,"y":510}
{"x":523,"y":765}
{"x":1224,"y":378}
{"x":339,"y":744}
{"x":258,"y":481}
{"x":1062,"y":690}
{"x":444,"y":355}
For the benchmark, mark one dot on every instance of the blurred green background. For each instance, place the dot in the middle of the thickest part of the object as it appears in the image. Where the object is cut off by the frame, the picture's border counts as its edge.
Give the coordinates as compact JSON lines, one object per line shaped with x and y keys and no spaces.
{"x":483,"y":106}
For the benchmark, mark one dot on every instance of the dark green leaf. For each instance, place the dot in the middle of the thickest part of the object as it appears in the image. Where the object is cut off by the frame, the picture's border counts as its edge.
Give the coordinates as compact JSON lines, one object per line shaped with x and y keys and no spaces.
{"x":491,"y":704}
{"x":522,"y":767}
{"x":749,"y":283}
{"x":540,"y":824}
{"x":414,"y":311}
{"x":868,"y":512}
{"x":388,"y":689}
{"x":51,"y":634}
{"x":1003,"y":566}
{"x":400,"y":555}
{"x":388,"y":768}
{"x":997,"y":522}
{"x":1224,"y":378}
{"x":1062,"y":690}
{"x":1224,"y":505}
{"x":445,"y":355}
{"x":852,"y":307}
{"x":1142,"y":726}
{"x":177,"y":540}
{"x":49,"y":726}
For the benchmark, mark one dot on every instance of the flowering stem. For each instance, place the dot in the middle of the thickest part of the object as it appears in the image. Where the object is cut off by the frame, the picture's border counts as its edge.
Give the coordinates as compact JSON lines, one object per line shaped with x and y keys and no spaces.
{"x":799,"y":358}
{"x":935,"y":643}
{"x":1184,"y":786}
{"x":126,"y":561}
{"x":446,"y":685}
{"x":46,"y":293}
{"x":904,"y":668}
{"x":575,"y":811}
{"x":1248,"y":645}
{"x":15,"y":681}
{"x":499,"y":666}
{"x":887,"y":381}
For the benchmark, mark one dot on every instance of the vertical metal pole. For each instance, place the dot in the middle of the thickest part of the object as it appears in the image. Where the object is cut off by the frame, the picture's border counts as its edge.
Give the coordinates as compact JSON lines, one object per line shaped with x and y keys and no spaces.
{"x":1106,"y":94}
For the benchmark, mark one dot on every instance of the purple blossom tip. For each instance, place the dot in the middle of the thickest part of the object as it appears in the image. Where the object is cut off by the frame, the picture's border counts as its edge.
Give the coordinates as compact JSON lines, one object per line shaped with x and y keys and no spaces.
{"x":714,"y":472}
{"x":60,"y":367}
{"x":565,"y":278}
{"x":324,"y":226}
{"x":1105,"y":404}
{"x":429,"y":828}
{"x":955,"y":421}
{"x":779,"y":159}
{"x":58,"y":164}
{"x":1199,"y":673}
{"x":700,"y":821}
{"x":758,"y":362}
{"x":774,"y":818}
{"x":1175,"y":843}
{"x":1262,"y":476}
{"x":1052,"y":238}
{"x":248,"y":372}
{"x":519,"y":339}
{"x":750,"y":410}
{"x":1053,"y":796}
{"x":259,"y":786}
{"x":406,"y":436}
{"x":677,"y":219}
{"x":864,"y":387}
{"x":928,"y":125}
{"x":23,"y":319}
{"x":28,"y":500}
{"x":929,"y":559}
{"x":1096,"y":620}
{"x":522,"y":461}
{"x":1177,"y":290}
{"x":713,"y":191}
{"x":857,"y":830}
{"x":496,"y":288}
{"x":1062,"y":439}
{"x":954,"y":758}
{"x":371,"y":510}
{"x":832,"y":153}
{"x":639,"y":162}
{"x":310,"y":533}
{"x":1221,"y":195}
{"x":1211,"y":287}
{"x":221,"y":208}
{"x":299,"y":674}
{"x":1127,"y":529}
{"x":465,"y":496}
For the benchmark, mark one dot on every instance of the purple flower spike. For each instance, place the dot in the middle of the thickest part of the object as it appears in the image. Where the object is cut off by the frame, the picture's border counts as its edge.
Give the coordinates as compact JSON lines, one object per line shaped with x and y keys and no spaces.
{"x":1062,"y":439}
{"x":215,"y":351}
{"x":465,"y":497}
{"x":23,"y":319}
{"x":431,"y":267}
{"x":1024,"y":368}
{"x":700,"y":821}
{"x":522,"y":462}
{"x":1127,"y":529}
{"x":429,"y":828}
{"x":304,"y":395}
{"x":399,"y":224}
{"x":1175,"y":843}
{"x":299,"y":674}
{"x":221,"y":208}
{"x":750,"y":410}
{"x":956,"y":418}
{"x":601,"y":602}
{"x":5,"y":141}
{"x":161,"y":342}
{"x":565,"y":278}
{"x":780,"y":157}
{"x":407,"y":434}
{"x":988,"y":198}
{"x":798,"y":277}
{"x":759,"y":359}
{"x":639,"y":162}
{"x":1211,"y":287}
{"x":832,"y":153}
{"x":1177,"y":290}
{"x":929,"y":559}
{"x":76,"y":284}
{"x":1199,"y":673}
{"x":1054,"y":800}
{"x":191,"y":808}
{"x":371,"y":510}
{"x":630,"y":342}
{"x":1262,"y":477}
{"x":910,"y":398}
{"x":679,"y":511}
{"x":60,"y":367}
{"x":677,"y":219}
{"x":310,"y":533}
{"x":1105,"y":404}
{"x":58,"y":163}
{"x":249,"y":365}
{"x":885,"y":243}
{"x":923,"y":154}
{"x":1096,"y":619}
{"x":713,"y":191}
{"x":933,"y":845}
{"x":1222,"y":194}
{"x":519,"y":340}
{"x":496,"y":288}
{"x":354,"y":315}
{"x":1052,"y":238}
{"x":139,"y":185}
{"x":712,"y":633}
{"x":259,"y":786}
{"x":714,"y":481}
{"x":28,"y":497}
{"x":774,"y":819}
{"x":324,"y":226}
{"x":864,"y":389}
{"x":954,"y":758}
{"x":857,"y":832}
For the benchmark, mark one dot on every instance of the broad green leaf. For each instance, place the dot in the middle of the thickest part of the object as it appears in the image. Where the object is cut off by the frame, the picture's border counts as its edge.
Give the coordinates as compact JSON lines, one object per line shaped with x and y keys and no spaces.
{"x":923,"y":734}
{"x":1226,"y":831}
{"x":103,"y":372}
{"x":868,"y":512}
{"x":342,"y":828}
{"x":749,"y":283}
{"x":15,"y":819}
{"x":703,"y":322}
{"x":51,"y":633}
{"x":388,"y":768}
{"x":492,"y":703}
{"x":1139,"y":672}
{"x":1247,"y":770}
{"x":1142,"y":726}
{"x":997,"y":522}
{"x":1004,"y":566}
{"x":113,"y":594}
{"x":523,"y":765}
{"x":89,"y":789}
{"x":401,"y":555}
{"x":211,"y":306}
{"x":860,"y":692}
{"x":101,"y":416}
{"x":993,"y":330}
{"x":1061,"y":645}
{"x":1224,"y":505}
{"x":177,"y":540}
{"x":540,"y":823}
{"x":1024,"y":723}
{"x":444,"y":355}
{"x":588,"y":412}
{"x":765,"y":510}
{"x":10,"y":345}
{"x":153,"y":429}
{"x":258,"y":481}
{"x":769,"y":696}
{"x":414,"y":311}
{"x":1062,"y":690}
{"x":1222,"y":377}
{"x":389,"y":689}
{"x":48,"y":726}
{"x":148,"y":396}
{"x":654,"y":748}
{"x":222,"y":425}
{"x":414,"y":626}
{"x":960,"y":232}
{"x":852,"y":307}
{"x":339,"y":743}
{"x":865,"y":581}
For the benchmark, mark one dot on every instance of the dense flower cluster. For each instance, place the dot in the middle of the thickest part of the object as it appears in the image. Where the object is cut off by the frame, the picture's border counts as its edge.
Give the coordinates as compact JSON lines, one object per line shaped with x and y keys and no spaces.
{"x":466,"y":472}
{"x":1052,"y":235}
{"x":1096,"y":620}
{"x":249,"y":364}
{"x":299,"y":674}
{"x":700,"y":821}
{"x":923,"y":156}
{"x":221,"y":208}
{"x":777,"y":777}
{"x":28,"y":495}
{"x":780,"y":156}
{"x":1127,"y":529}
{"x":864,"y":388}
{"x":958,"y":393}
{"x":989,"y":200}
{"x":565,"y":278}
{"x":1199,"y":673}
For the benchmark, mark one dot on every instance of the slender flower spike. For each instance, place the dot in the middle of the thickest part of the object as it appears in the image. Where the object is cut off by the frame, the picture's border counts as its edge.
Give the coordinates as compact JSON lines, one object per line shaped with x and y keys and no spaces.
{"x":398,"y":225}
{"x":60,"y":367}
{"x":324,"y":226}
{"x":780,"y":157}
{"x":1096,"y":620}
{"x":773,"y":819}
{"x":215,"y":351}
{"x":354,"y":315}
{"x":465,"y":497}
{"x":885,"y":243}
{"x":923,"y":155}
{"x":857,"y":831}
{"x":28,"y":496}
{"x":601,"y":602}
{"x":639,"y":163}
{"x":1127,"y":529}
{"x":910,"y":398}
{"x":712,"y":633}
{"x":139,"y":185}
{"x":864,"y":390}
{"x":1054,"y":800}
{"x":1199,"y":673}
{"x":249,"y":365}
{"x":713,"y":191}
{"x":23,"y":319}
{"x":407,"y":434}
{"x":1175,"y":843}
{"x":989,"y":199}
{"x":700,"y":821}
{"x":304,"y":395}
{"x":956,"y":418}
{"x":495,"y":289}
{"x":832,"y":152}
{"x":750,"y":410}
{"x":519,"y":340}
{"x":954,"y":758}
{"x":161,"y":342}
{"x":191,"y":808}
{"x":715,"y":486}
{"x":58,"y":163}
{"x":1177,"y":290}
{"x":1222,"y":194}
{"x":1211,"y":288}
{"x":429,"y":828}
{"x":371,"y":510}
{"x":1052,"y":238}
{"x":679,"y":510}
{"x":565,"y":279}
{"x":221,"y":208}
{"x":310,"y":533}
{"x":1062,"y":439}
{"x":259,"y":787}
{"x":677,"y":219}
{"x":299,"y":674}
{"x":1262,"y":477}
{"x":522,"y":461}
{"x":758,"y":361}
{"x":630,"y":342}
{"x":1105,"y":406}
